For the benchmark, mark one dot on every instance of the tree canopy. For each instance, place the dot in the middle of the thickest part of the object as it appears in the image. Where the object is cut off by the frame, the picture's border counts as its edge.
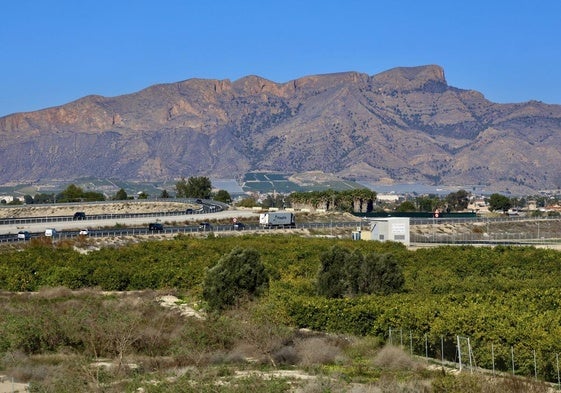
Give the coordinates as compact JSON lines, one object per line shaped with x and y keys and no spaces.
{"x":73,"y":193}
{"x":121,"y":195}
{"x":457,"y":201}
{"x":498,"y":202}
{"x":238,"y":276}
{"x":223,"y":196}
{"x":344,"y":273}
{"x":194,"y":187}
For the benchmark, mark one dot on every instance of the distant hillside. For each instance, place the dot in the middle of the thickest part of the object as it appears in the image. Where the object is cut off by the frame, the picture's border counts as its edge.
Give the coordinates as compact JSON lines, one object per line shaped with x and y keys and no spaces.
{"x":402,"y":125}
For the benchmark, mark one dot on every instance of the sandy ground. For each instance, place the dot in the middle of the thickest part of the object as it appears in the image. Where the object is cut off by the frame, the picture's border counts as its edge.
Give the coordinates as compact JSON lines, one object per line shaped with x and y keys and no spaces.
{"x":7,"y":386}
{"x":93,"y":208}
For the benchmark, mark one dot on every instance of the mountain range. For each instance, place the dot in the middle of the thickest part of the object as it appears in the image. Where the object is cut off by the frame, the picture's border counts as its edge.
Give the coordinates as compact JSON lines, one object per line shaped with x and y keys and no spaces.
{"x":402,"y":125}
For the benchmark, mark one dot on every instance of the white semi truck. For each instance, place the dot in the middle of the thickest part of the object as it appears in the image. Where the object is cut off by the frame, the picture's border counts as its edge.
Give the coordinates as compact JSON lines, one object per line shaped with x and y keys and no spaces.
{"x":277,"y":220}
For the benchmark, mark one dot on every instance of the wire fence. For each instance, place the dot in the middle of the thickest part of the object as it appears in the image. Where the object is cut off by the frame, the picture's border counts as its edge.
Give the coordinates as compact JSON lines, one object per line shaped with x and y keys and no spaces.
{"x":475,"y":356}
{"x":537,"y":231}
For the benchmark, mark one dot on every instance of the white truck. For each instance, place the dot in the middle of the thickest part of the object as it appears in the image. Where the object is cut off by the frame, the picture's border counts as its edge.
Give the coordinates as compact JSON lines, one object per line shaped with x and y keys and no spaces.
{"x":277,"y":220}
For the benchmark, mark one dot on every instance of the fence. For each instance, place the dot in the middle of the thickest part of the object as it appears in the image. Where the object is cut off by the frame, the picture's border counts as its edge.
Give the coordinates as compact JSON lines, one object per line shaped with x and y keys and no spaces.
{"x":490,"y":231}
{"x":469,"y":355}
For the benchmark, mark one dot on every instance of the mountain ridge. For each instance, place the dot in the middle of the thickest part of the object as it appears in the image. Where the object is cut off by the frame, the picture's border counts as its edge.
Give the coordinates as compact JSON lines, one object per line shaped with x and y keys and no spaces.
{"x":403,"y":125}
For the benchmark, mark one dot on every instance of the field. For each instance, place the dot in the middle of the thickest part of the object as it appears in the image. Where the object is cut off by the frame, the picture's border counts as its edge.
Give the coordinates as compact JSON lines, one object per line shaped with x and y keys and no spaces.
{"x":265,"y":182}
{"x":506,"y":297}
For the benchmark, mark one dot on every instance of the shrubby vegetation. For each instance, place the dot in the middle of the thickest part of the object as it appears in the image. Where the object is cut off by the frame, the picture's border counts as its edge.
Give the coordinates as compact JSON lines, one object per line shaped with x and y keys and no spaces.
{"x":194,"y":187}
{"x":508,"y":297}
{"x":345,"y":273}
{"x":238,"y":276}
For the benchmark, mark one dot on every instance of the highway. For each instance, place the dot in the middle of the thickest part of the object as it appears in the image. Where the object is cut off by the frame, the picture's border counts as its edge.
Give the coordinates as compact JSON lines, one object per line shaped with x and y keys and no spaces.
{"x":129,"y":222}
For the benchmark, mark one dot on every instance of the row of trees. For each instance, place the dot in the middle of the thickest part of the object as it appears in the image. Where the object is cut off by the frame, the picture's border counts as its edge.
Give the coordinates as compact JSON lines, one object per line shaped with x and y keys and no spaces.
{"x":360,"y":199}
{"x":456,"y":201}
{"x":194,"y":187}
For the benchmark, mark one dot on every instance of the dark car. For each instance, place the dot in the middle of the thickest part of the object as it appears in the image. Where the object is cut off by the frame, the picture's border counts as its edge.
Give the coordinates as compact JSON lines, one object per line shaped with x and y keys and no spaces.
{"x":155,"y":226}
{"x":189,"y":211}
{"x":205,"y":226}
{"x":238,"y":226}
{"x":79,"y":216}
{"x":199,"y":201}
{"x":24,"y":235}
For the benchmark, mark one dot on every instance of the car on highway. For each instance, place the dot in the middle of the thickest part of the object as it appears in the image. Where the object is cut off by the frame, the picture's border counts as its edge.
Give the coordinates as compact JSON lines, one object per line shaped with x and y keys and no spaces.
{"x":79,"y":216}
{"x":189,"y":211}
{"x":24,"y":235}
{"x":84,"y":232}
{"x":155,"y":226}
{"x":50,"y":232}
{"x":238,"y":226}
{"x":205,"y":226}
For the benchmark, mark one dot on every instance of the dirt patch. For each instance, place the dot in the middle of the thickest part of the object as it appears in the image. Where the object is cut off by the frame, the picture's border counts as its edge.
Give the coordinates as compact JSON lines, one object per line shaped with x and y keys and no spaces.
{"x":7,"y":385}
{"x":172,"y":302}
{"x":131,"y":207}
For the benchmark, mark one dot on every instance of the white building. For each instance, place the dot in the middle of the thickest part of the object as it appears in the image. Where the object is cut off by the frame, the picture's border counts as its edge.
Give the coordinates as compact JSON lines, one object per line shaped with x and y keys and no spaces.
{"x":394,"y":229}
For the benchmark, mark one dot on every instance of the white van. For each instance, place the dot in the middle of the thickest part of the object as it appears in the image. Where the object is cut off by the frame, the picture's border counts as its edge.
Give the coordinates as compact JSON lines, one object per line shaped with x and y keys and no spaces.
{"x":50,"y":232}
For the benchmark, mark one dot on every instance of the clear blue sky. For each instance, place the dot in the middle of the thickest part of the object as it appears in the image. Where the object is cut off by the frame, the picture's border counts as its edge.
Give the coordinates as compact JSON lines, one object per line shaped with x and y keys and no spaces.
{"x":55,"y":51}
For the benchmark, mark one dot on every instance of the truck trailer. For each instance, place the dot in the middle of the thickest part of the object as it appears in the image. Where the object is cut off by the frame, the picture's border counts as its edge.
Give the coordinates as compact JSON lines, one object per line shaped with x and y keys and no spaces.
{"x":277,"y":220}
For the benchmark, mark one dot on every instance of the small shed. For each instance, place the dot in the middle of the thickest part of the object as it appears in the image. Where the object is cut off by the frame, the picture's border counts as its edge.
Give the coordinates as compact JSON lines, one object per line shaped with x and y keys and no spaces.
{"x":394,"y":229}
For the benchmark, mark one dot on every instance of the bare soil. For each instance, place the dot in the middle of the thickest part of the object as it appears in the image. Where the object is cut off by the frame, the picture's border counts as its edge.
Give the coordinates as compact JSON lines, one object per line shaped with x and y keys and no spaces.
{"x":125,"y":207}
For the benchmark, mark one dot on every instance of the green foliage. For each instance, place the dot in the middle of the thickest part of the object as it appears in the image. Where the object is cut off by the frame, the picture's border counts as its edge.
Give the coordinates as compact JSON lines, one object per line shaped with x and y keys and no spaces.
{"x":498,"y":202}
{"x":361,"y":199}
{"x":331,"y":277}
{"x":428,"y":203}
{"x":350,"y":273}
{"x":121,"y":195}
{"x":457,"y":201}
{"x":223,"y":196}
{"x":194,"y":187}
{"x":381,"y":274}
{"x":406,"y":206}
{"x":43,"y":198}
{"x":73,"y":193}
{"x":501,"y":296}
{"x":236,"y":277}
{"x":247,"y":202}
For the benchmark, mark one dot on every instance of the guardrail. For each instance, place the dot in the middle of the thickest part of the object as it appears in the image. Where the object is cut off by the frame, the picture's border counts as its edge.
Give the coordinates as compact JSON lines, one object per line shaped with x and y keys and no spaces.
{"x":208,"y":206}
{"x":115,"y":232}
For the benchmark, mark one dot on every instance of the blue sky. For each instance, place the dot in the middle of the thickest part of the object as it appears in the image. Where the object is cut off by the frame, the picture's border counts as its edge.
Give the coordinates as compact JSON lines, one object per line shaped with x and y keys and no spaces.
{"x":53,"y":52}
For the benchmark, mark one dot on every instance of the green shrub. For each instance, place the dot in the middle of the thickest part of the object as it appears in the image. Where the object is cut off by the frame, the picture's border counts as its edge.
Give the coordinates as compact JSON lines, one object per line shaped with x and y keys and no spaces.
{"x":238,"y":276}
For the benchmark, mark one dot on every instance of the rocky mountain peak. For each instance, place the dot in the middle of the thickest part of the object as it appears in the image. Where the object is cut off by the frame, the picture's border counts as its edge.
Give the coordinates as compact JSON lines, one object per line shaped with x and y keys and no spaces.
{"x":405,"y":124}
{"x":410,"y":78}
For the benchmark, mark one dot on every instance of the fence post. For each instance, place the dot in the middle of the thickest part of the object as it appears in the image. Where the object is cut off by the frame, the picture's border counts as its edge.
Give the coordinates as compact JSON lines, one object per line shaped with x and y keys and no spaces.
{"x":459,"y":352}
{"x":557,"y":363}
{"x":427,"y":347}
{"x":493,"y":358}
{"x":512,"y":357}
{"x":535,"y":366}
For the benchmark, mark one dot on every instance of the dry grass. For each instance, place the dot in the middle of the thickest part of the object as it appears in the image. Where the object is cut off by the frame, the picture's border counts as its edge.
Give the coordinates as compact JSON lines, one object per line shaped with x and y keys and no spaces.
{"x":318,"y":351}
{"x":395,"y":359}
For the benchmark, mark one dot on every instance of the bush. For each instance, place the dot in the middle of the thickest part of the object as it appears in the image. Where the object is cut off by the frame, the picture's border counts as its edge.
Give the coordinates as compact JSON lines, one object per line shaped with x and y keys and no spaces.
{"x":238,"y":276}
{"x":394,"y":358}
{"x":345,"y":273}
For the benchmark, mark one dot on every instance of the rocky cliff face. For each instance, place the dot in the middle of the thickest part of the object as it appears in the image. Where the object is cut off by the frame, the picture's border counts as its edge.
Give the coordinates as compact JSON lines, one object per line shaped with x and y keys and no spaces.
{"x":405,"y":124}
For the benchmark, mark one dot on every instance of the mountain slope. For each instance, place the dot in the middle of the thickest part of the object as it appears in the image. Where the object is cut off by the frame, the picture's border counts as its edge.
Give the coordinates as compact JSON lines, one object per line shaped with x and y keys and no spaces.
{"x":405,"y":124}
